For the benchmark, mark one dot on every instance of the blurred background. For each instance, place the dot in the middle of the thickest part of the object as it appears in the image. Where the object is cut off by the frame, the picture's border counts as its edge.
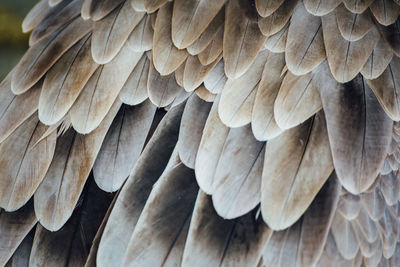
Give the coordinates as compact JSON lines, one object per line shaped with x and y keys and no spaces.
{"x":13,"y":43}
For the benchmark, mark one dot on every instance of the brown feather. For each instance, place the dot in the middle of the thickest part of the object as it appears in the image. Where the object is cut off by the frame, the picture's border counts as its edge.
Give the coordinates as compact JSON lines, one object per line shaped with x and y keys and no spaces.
{"x":305,"y":46}
{"x":353,"y":26}
{"x":167,"y":58}
{"x":191,"y":18}
{"x":321,"y":7}
{"x":359,"y":130}
{"x":141,"y":38}
{"x":242,"y":40}
{"x":266,"y":7}
{"x":288,"y":184}
{"x":65,"y":80}
{"x":110,"y":33}
{"x":40,"y":57}
{"x":378,"y":60}
{"x":346,"y":58}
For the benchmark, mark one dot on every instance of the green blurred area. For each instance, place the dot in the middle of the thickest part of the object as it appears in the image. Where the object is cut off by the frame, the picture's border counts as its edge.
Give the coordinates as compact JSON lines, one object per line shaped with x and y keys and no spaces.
{"x":13,"y":43}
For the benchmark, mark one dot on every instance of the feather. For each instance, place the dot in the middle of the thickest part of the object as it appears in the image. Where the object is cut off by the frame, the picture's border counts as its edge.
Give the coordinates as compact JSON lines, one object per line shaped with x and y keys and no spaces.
{"x":195,"y":73}
{"x":391,"y":34}
{"x":35,"y":16}
{"x":101,"y":8}
{"x":214,"y":49}
{"x":179,"y":74}
{"x":24,"y":162}
{"x":57,"y":195}
{"x":204,"y":94}
{"x":390,"y":188}
{"x":20,"y":258}
{"x":91,"y":258}
{"x":386,"y":12}
{"x":305,"y":46}
{"x":101,"y":91}
{"x":357,"y":6}
{"x":152,"y":5}
{"x":359,"y":130}
{"x":134,"y":90}
{"x":276,"y":21}
{"x":141,"y":38}
{"x":190,"y":19}
{"x":349,"y":205}
{"x":70,"y":246}
{"x":208,"y":34}
{"x":162,"y":90}
{"x":133,"y":196}
{"x":40,"y":57}
{"x":320,"y":7}
{"x":213,"y":241}
{"x":377,"y":62}
{"x":288,"y":184}
{"x":138,"y":5}
{"x":267,"y":7}
{"x":263,"y":123}
{"x":167,"y":211}
{"x":65,"y":80}
{"x":317,"y":221}
{"x":297,"y":100}
{"x":122,"y":145}
{"x":216,"y":79}
{"x":242,"y":40}
{"x":367,"y":248}
{"x":14,"y":110}
{"x":353,"y":26}
{"x":110,"y":33}
{"x":237,"y":180}
{"x":86,"y":9}
{"x":191,"y":129}
{"x":387,"y":88}
{"x":14,"y":226}
{"x":374,"y":203}
{"x":210,"y":149}
{"x":238,"y":95}
{"x":344,"y":236}
{"x":277,"y":42}
{"x":346,"y":58}
{"x":55,"y":19}
{"x":167,"y":58}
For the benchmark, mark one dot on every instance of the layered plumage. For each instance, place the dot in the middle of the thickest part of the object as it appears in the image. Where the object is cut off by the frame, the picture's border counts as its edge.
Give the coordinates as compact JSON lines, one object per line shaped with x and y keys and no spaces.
{"x":235,"y":133}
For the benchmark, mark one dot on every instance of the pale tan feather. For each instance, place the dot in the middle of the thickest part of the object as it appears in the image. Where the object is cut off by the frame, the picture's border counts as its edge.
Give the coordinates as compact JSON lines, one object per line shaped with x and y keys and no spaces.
{"x":110,"y":33}
{"x":266,"y":7}
{"x":101,"y":91}
{"x":346,"y":58}
{"x":321,"y":7}
{"x":288,"y":184}
{"x":65,"y":80}
{"x":195,"y":72}
{"x":35,"y":16}
{"x":190,"y":19}
{"x":378,"y":60}
{"x":167,"y":58}
{"x":297,"y":100}
{"x":242,"y":40}
{"x":386,"y":12}
{"x":40,"y":57}
{"x":24,"y":162}
{"x":353,"y":26}
{"x":141,"y":38}
{"x":263,"y":122}
{"x":57,"y":195}
{"x":134,"y":90}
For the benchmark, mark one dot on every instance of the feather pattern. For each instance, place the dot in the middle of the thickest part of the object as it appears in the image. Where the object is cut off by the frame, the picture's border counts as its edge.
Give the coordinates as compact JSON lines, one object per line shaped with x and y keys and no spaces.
{"x":354,"y":118}
{"x":287,"y":172}
{"x":320,"y":7}
{"x":57,"y":195}
{"x":110,"y":33}
{"x":346,"y":58}
{"x":64,"y":82}
{"x":242,"y":40}
{"x":122,"y":145}
{"x":304,"y":46}
{"x":40,"y":57}
{"x":190,"y":18}
{"x":148,"y":169}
